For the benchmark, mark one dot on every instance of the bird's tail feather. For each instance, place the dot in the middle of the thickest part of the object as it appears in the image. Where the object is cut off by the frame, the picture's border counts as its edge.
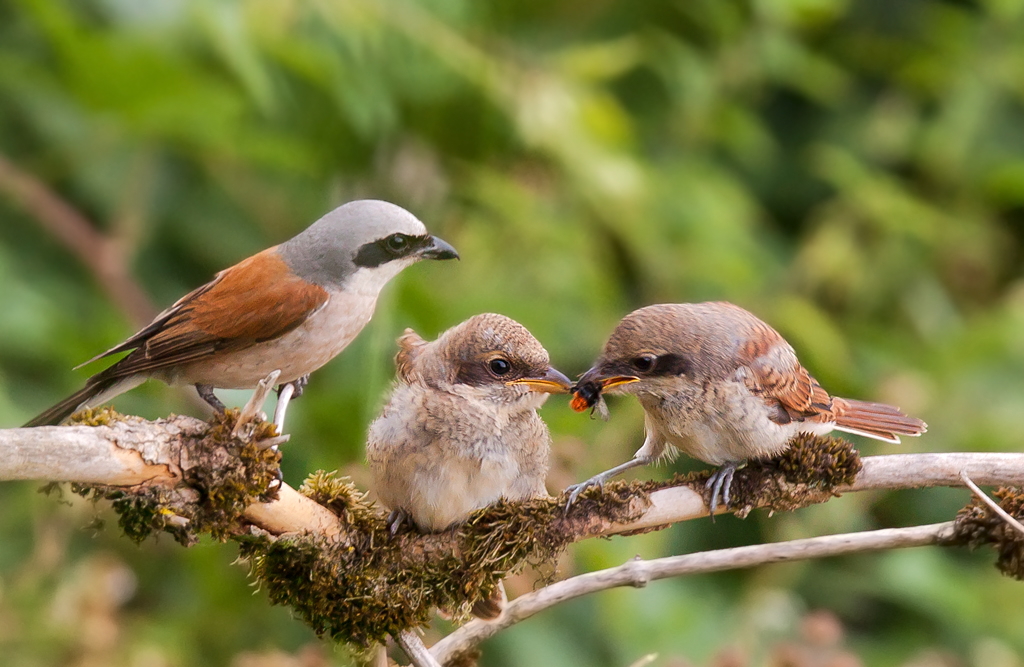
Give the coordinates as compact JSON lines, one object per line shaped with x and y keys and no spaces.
{"x":875,"y":420}
{"x":95,"y":392}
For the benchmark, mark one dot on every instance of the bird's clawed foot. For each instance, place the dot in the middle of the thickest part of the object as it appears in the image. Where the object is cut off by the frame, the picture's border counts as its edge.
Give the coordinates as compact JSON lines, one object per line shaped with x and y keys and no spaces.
{"x":277,"y":482}
{"x":576,"y":489}
{"x":205,"y":392}
{"x":396,"y":519}
{"x":599,"y":480}
{"x":720,"y":483}
{"x":299,"y":385}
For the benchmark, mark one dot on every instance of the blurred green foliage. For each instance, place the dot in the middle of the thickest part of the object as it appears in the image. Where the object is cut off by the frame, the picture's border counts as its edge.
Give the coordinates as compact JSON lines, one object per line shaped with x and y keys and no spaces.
{"x":851,"y":171}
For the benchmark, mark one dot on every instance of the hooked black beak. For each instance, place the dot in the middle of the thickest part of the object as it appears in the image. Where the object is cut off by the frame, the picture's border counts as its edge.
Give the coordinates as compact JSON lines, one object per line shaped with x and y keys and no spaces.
{"x":439,"y":249}
{"x":552,"y":382}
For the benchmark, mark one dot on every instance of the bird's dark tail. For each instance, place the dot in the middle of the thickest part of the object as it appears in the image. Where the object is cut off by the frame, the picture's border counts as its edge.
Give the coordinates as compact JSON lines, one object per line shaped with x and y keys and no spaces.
{"x":875,"y":420}
{"x":96,"y":390}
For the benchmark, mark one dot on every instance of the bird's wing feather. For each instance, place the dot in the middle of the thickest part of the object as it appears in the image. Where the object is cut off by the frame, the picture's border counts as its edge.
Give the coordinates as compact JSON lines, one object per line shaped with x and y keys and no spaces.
{"x":256,"y":300}
{"x":772,"y":371}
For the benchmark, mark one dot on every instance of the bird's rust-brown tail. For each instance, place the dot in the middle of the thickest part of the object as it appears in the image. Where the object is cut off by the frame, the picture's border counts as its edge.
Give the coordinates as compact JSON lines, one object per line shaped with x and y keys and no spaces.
{"x":875,"y":420}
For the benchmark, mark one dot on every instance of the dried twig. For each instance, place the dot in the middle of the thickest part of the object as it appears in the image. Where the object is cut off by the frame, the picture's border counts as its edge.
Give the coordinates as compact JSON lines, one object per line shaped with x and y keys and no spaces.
{"x":894,"y":471}
{"x":416,"y":649}
{"x":992,"y":505}
{"x":638,"y":573}
{"x":134,"y":452}
{"x":254,"y":405}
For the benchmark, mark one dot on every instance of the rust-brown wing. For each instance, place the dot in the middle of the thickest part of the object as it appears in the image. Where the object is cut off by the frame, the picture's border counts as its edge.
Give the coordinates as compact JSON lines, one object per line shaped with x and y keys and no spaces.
{"x":772,"y":371}
{"x":256,"y":300}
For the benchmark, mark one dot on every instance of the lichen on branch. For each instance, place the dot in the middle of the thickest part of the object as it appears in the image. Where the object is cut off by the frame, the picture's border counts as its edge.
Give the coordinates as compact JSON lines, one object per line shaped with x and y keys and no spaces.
{"x":977,"y":525}
{"x":222,"y":475}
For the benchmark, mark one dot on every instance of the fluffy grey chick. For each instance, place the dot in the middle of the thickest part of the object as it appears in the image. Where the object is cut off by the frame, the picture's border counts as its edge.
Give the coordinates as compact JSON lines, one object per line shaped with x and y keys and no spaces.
{"x":461,"y":428}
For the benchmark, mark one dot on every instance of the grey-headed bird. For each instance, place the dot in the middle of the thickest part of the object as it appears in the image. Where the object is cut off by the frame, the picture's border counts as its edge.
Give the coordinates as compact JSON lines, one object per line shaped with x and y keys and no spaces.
{"x":290,"y":308}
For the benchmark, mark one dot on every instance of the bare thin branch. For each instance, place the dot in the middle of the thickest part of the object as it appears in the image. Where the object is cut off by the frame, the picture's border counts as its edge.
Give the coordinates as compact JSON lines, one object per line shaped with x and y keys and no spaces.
{"x":645,"y":660}
{"x":992,"y":505}
{"x":638,"y":573}
{"x":416,"y":649}
{"x":293,"y":512}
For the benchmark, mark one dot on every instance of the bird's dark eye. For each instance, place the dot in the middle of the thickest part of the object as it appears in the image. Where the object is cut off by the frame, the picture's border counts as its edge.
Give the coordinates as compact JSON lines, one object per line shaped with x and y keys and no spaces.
{"x":644,"y":362}
{"x":499,"y":366}
{"x":397,"y":243}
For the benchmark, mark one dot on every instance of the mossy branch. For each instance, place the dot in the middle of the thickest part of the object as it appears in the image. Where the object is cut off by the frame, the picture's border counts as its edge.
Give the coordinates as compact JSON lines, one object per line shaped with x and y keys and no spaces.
{"x":326,"y":552}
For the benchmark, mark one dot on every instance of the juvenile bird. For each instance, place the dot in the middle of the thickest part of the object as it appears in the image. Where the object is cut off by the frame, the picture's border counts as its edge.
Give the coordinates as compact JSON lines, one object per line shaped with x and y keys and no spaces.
{"x":461,"y":428}
{"x":292,"y":308}
{"x":721,"y":385}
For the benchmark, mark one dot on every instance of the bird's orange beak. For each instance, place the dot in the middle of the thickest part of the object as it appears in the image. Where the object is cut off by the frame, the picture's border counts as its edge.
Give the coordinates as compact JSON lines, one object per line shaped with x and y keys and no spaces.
{"x":552,"y":382}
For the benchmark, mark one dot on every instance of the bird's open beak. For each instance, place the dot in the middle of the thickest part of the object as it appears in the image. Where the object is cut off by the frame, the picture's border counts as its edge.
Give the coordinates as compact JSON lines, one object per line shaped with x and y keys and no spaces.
{"x":587,"y":391}
{"x":596,"y":380}
{"x":552,"y":382}
{"x":616,"y":380}
{"x":439,"y":249}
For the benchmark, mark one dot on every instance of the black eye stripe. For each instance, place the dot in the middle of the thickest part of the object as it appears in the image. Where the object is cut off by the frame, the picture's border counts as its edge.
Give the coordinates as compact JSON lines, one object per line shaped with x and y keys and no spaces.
{"x":664,"y":365}
{"x":397,"y":243}
{"x":480,"y":372}
{"x":644,"y":362}
{"x":382,"y":251}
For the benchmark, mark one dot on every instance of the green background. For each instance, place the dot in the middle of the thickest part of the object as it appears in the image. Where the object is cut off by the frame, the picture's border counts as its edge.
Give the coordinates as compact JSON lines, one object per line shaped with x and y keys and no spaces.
{"x":851,"y":171}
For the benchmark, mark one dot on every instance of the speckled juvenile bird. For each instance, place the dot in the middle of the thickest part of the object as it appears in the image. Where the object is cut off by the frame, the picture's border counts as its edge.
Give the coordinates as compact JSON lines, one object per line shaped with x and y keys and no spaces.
{"x":291,"y":308}
{"x":722,"y":386}
{"x":461,"y":428}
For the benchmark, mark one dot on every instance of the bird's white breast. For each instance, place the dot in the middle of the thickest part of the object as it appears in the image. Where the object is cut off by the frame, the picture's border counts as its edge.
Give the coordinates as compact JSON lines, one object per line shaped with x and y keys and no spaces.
{"x":729,"y":425}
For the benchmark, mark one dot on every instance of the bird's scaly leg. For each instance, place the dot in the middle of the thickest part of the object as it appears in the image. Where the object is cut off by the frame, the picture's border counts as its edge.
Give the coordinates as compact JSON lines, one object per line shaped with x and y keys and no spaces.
{"x":599,"y":479}
{"x":205,"y":392}
{"x":285,"y":394}
{"x":395,"y":520}
{"x":720,"y":483}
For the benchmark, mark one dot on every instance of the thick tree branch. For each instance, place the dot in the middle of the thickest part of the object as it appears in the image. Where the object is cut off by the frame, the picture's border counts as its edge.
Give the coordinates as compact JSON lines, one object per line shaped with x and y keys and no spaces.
{"x":892,"y":471}
{"x":131,"y":453}
{"x":136,"y":452}
{"x":638,"y":573}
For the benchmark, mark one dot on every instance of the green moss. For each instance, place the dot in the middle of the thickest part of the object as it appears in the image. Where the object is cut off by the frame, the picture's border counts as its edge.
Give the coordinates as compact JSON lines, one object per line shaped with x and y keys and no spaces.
{"x":140,"y":513}
{"x":224,"y":477}
{"x":978,"y":525}
{"x":102,"y":416}
{"x":379,"y":584}
{"x":810,"y":471}
{"x":231,"y":476}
